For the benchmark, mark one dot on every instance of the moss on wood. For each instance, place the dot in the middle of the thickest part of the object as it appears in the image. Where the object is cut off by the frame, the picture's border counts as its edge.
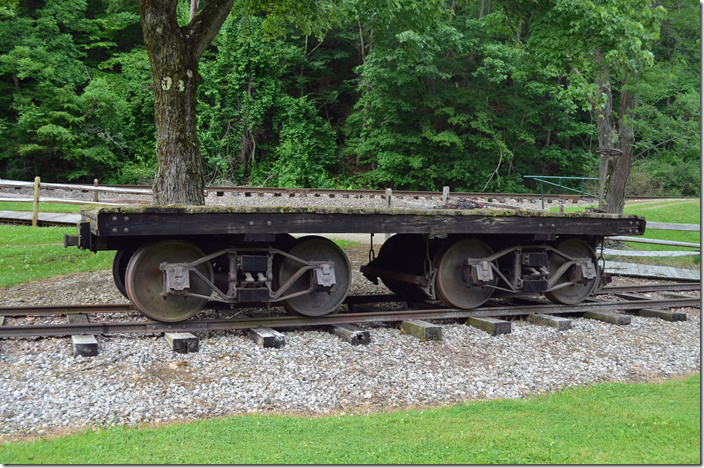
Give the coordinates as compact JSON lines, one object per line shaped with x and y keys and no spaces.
{"x":481,"y":212}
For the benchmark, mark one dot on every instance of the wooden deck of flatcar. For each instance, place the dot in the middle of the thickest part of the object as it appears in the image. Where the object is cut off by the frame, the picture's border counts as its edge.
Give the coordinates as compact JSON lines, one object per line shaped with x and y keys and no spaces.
{"x":209,"y":220}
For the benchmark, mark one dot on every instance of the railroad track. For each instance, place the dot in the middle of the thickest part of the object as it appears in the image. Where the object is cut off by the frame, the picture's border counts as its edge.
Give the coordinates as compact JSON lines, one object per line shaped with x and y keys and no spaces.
{"x":382,"y":193}
{"x":358,"y":314}
{"x":74,"y":309}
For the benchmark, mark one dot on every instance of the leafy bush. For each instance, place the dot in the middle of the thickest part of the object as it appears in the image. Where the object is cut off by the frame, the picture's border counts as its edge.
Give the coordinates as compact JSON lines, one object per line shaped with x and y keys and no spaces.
{"x":656,"y":177}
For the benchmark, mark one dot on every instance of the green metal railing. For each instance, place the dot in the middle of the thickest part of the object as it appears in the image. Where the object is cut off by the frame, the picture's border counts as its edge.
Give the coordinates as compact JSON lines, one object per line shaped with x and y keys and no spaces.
{"x":542,"y":180}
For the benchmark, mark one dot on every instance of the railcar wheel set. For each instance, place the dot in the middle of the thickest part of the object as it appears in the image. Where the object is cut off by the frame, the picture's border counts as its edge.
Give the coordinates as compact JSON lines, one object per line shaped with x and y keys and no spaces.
{"x":171,"y":261}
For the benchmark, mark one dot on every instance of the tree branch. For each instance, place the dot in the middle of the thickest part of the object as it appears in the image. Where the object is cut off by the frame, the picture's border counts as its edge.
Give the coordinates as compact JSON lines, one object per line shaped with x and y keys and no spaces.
{"x":206,"y":25}
{"x":652,"y":148}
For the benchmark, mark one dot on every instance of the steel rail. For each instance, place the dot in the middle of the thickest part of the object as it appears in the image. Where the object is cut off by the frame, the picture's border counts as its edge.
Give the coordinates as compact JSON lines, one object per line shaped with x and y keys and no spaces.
{"x":66,"y":309}
{"x":650,"y":288}
{"x":335,"y":319}
{"x":382,"y":193}
{"x":69,"y":309}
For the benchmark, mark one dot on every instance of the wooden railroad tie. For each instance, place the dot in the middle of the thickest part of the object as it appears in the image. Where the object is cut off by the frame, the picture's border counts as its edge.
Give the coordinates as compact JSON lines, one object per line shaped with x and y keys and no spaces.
{"x":658,"y":313}
{"x":662,"y":314}
{"x":609,"y":317}
{"x":560,"y":323}
{"x":492,"y":326}
{"x":352,"y":334}
{"x":83,"y":345}
{"x":423,"y":330}
{"x":267,"y":337}
{"x":182,"y":342}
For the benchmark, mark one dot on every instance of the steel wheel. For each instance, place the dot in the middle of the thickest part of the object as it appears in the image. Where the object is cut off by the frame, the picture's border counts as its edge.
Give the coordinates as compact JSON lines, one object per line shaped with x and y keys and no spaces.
{"x":451,"y":280}
{"x":403,"y":253}
{"x":119,"y":268}
{"x":316,"y":303}
{"x":144,"y":281}
{"x":575,"y":293}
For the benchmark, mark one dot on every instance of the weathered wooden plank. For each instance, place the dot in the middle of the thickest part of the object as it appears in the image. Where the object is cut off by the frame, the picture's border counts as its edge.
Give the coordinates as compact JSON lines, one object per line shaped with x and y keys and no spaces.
{"x":645,"y":240}
{"x":182,"y":342}
{"x":675,"y":295}
{"x":662,"y":314}
{"x":650,"y":253}
{"x":423,"y":330}
{"x":609,"y":317}
{"x":69,"y":219}
{"x":650,"y":271}
{"x":673,"y":226}
{"x":490,"y":325}
{"x":137,"y":224}
{"x":560,"y":323}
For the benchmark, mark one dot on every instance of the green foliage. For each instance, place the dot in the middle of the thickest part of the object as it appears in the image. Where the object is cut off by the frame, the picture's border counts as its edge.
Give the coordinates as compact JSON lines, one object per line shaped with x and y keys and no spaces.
{"x":405,"y":94}
{"x":246,"y":98}
{"x":610,"y":423}
{"x":65,"y":119}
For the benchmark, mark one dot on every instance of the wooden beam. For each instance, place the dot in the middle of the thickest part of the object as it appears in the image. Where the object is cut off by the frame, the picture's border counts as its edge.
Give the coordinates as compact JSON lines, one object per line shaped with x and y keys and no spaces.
{"x":672,"y":226}
{"x":35,"y":203}
{"x":83,"y":188}
{"x":646,"y":240}
{"x":650,"y":253}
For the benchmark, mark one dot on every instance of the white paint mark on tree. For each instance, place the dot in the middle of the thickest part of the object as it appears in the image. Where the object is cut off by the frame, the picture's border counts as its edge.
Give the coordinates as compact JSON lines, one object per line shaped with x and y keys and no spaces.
{"x":166,"y":83}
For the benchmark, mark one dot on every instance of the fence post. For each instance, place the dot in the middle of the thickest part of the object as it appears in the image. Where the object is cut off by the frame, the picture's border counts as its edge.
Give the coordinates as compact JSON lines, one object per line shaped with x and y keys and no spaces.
{"x":445,"y":194}
{"x":388,"y":198}
{"x":35,"y":203}
{"x":95,"y":192}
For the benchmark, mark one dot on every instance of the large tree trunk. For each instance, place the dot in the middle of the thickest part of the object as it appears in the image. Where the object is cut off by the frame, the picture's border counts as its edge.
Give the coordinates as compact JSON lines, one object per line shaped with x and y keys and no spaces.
{"x":179,"y":175}
{"x":602,"y":107}
{"x":616,"y":196}
{"x":615,"y":144}
{"x":174,"y":53}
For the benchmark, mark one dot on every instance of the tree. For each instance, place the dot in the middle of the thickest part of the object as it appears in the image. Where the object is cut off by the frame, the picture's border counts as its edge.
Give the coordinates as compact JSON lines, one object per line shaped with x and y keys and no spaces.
{"x":174,"y":52}
{"x":603,"y":47}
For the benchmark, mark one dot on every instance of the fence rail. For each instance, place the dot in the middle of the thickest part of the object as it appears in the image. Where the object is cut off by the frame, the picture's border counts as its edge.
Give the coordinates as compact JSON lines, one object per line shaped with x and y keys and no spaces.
{"x":37,"y":185}
{"x":658,"y":253}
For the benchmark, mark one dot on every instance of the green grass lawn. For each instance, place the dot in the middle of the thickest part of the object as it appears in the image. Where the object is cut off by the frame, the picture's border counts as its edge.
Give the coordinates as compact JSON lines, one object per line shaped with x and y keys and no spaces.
{"x":30,"y":253}
{"x":601,"y":424}
{"x":43,"y":207}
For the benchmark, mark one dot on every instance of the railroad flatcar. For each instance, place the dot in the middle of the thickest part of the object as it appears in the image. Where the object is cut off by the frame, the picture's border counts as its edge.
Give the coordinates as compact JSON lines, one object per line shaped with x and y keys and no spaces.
{"x":172,"y":260}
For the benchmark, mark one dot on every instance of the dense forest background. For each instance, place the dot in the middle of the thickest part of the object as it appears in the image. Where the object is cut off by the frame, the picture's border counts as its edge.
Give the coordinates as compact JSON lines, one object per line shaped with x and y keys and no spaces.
{"x":412,"y":94}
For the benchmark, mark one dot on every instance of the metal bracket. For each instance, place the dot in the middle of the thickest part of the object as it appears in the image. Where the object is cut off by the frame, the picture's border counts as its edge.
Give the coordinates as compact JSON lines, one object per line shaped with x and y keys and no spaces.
{"x":325,"y":276}
{"x":588,"y":269}
{"x":176,"y":278}
{"x":480,"y":272}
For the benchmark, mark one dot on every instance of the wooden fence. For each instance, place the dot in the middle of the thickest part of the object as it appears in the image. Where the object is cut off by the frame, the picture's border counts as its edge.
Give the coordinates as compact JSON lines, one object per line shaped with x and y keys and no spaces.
{"x":37,"y":184}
